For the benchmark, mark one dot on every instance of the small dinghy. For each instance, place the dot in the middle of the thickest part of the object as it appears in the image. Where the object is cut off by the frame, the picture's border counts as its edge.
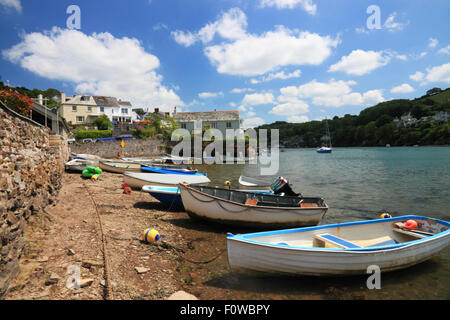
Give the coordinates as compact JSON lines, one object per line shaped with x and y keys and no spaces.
{"x":251,"y":209}
{"x":171,"y":197}
{"x":78,"y":165}
{"x":119,"y":166}
{"x":84,"y":156}
{"x":169,"y":170}
{"x":340,"y":249}
{"x":252,"y":183}
{"x":137,"y":180}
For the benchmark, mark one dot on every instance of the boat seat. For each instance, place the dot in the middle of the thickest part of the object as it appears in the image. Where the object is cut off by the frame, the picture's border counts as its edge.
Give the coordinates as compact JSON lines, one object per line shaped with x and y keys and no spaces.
{"x":336,"y":241}
{"x":411,"y":233}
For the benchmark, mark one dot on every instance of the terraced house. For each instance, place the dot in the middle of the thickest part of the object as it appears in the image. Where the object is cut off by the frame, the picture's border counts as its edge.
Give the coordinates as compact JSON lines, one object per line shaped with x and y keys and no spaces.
{"x":84,"y":109}
{"x":196,"y":121}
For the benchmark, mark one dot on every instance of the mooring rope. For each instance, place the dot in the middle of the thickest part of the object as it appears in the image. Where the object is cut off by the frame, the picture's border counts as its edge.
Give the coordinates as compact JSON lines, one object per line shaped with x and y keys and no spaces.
{"x":219,"y":203}
{"x":109,"y":293}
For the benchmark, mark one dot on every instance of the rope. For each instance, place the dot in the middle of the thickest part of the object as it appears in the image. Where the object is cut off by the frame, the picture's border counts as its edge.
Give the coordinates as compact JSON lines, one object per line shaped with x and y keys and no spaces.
{"x":219,"y":203}
{"x":109,"y":294}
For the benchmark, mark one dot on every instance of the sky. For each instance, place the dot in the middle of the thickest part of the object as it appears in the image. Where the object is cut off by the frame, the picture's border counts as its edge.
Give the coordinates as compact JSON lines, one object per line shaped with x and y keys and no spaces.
{"x":273,"y":60}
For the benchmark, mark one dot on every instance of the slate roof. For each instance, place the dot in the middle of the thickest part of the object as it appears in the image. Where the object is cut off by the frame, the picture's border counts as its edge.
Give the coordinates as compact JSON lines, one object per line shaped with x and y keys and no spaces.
{"x":207,"y":116}
{"x":106,"y":101}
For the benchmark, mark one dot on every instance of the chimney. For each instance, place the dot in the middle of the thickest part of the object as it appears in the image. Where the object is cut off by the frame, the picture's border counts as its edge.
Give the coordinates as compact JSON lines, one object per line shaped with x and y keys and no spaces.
{"x":40,"y":99}
{"x":63,"y":97}
{"x":156,"y":110}
{"x":174,"y":110}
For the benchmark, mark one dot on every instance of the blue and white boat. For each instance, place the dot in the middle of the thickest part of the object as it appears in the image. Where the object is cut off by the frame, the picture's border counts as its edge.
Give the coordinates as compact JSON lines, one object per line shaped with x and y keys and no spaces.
{"x":327,"y":148}
{"x":340,"y":249}
{"x":170,"y":170}
{"x":170,"y":196}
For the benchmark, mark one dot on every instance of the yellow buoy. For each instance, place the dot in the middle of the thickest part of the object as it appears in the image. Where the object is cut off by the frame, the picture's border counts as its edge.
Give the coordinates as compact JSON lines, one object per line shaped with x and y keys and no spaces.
{"x":385,"y":215}
{"x":227,"y":183}
{"x":150,"y":235}
{"x":94,"y":177}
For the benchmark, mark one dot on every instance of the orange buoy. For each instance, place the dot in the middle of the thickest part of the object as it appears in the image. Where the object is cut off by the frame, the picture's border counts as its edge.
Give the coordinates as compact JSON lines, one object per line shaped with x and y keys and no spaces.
{"x":127,"y":190}
{"x":410,"y":225}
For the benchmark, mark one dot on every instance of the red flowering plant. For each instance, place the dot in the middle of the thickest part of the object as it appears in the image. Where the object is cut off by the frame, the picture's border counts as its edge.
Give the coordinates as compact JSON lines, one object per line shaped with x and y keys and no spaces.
{"x":17,"y":102}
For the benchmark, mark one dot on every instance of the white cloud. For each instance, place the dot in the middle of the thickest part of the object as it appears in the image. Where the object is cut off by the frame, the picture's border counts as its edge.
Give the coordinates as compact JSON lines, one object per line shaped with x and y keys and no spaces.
{"x":252,"y":122}
{"x":432,"y":43}
{"x":231,"y":25}
{"x":206,"y":95}
{"x":241,"y":90}
{"x":96,"y":64}
{"x":298,"y":119}
{"x":278,"y":75}
{"x":254,"y":99}
{"x":257,"y":55}
{"x":290,"y":108}
{"x":251,"y":54}
{"x":403,"y":88}
{"x":331,"y":94}
{"x":184,"y":38}
{"x":360,"y":62}
{"x":439,"y":73}
{"x":307,"y":5}
{"x":14,"y":4}
{"x":391,"y":25}
{"x":418,"y":76}
{"x":445,"y":50}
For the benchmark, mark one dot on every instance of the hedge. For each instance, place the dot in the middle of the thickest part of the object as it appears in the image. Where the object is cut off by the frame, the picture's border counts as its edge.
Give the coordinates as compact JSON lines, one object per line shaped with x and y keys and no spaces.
{"x":84,"y":134}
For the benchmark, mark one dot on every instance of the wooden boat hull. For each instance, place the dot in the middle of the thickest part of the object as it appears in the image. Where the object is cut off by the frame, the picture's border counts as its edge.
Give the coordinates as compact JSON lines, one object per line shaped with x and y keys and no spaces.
{"x":251,"y":253}
{"x":119,"y":166}
{"x":207,"y":207}
{"x":136,"y":180}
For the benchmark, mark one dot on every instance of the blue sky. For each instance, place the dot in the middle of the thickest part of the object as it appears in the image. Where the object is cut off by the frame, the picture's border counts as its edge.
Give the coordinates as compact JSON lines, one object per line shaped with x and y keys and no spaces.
{"x":289,"y":60}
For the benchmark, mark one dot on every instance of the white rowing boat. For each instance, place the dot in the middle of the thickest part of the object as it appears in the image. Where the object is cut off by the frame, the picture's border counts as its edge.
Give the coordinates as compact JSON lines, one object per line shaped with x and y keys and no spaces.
{"x":137,"y":180}
{"x":339,"y":249}
{"x":119,"y":166}
{"x":255,"y":210}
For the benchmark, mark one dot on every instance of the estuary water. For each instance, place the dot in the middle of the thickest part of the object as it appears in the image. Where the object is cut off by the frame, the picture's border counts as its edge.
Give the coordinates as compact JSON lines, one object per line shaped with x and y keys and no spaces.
{"x":357,"y":184}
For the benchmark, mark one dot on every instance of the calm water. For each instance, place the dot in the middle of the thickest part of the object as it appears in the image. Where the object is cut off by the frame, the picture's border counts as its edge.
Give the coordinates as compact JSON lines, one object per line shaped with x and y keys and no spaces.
{"x":359,"y":184}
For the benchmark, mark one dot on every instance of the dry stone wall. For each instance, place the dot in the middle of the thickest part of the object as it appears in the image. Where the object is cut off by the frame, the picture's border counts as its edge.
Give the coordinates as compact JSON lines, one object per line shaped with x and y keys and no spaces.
{"x":31,"y":168}
{"x":110,"y":149}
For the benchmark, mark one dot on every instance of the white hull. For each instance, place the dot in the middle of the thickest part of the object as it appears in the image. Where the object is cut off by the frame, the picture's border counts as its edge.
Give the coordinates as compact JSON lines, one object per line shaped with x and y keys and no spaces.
{"x":301,"y":260}
{"x":200,"y":205}
{"x":119,"y":167}
{"x":79,"y":165}
{"x":137,"y":180}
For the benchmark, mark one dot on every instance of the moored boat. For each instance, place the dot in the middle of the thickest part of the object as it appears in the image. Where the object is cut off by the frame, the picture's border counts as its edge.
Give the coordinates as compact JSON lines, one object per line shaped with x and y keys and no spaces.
{"x":339,"y":249}
{"x":169,"y":196}
{"x":78,"y":165}
{"x":246,"y":208}
{"x":252,"y":183}
{"x":169,"y":170}
{"x":119,"y":166}
{"x":137,"y":180}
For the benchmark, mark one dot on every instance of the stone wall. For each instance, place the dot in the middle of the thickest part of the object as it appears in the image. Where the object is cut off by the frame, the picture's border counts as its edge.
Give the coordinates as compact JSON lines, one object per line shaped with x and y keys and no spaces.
{"x":31,"y":168}
{"x":110,"y":149}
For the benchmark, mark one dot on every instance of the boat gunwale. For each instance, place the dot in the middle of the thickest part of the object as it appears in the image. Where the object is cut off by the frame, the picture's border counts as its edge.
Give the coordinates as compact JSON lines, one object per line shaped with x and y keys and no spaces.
{"x":257,"y":207}
{"x":384,"y":248}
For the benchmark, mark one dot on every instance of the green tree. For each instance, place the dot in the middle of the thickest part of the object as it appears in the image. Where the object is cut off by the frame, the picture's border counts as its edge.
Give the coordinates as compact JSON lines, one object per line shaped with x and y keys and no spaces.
{"x":103,"y":122}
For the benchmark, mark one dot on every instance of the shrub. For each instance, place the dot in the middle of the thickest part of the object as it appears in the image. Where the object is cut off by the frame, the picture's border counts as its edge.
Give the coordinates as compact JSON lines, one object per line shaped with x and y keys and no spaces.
{"x":17,"y":102}
{"x":84,"y":134}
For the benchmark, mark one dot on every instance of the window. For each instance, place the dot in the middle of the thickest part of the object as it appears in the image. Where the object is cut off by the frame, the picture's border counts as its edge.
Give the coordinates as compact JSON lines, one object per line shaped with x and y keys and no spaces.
{"x":84,"y":98}
{"x":102,"y":109}
{"x":80,"y":119}
{"x":228,"y":124}
{"x":125,"y":111}
{"x":213,"y":125}
{"x":183,"y":126}
{"x":89,"y":109}
{"x":74,"y":108}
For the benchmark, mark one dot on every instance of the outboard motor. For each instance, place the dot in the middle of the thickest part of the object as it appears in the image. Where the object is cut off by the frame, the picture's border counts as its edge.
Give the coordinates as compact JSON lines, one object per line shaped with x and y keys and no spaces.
{"x":281,"y":185}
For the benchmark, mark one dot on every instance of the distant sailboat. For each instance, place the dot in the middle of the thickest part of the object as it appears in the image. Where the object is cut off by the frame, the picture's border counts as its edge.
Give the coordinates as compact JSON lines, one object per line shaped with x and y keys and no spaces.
{"x":327,"y":148}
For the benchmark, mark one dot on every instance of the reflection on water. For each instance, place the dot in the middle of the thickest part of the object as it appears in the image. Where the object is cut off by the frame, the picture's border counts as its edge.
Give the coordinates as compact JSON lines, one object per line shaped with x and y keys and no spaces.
{"x":357,"y":184}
